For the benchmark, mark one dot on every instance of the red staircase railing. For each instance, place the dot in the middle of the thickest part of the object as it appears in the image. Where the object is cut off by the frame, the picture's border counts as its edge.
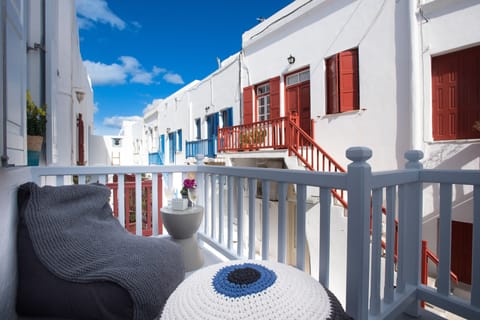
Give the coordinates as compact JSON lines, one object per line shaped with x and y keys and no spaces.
{"x":313,"y":156}
{"x":129,"y":204}
{"x":268,"y":134}
{"x":426,"y":255}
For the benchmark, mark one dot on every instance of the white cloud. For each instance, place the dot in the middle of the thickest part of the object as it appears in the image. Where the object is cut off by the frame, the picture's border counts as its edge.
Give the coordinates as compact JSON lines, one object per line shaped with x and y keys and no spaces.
{"x":137,"y":25}
{"x":156,"y":70}
{"x":84,"y":23}
{"x":98,"y":11}
{"x":103,"y":74}
{"x":135,"y":70}
{"x":142,"y":77}
{"x":128,"y":70}
{"x":130,"y":64}
{"x":116,"y":121}
{"x":174,"y":78}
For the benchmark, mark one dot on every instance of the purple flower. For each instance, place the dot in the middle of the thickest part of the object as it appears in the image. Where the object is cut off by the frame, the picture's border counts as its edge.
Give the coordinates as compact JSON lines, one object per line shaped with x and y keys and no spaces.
{"x":189,"y":183}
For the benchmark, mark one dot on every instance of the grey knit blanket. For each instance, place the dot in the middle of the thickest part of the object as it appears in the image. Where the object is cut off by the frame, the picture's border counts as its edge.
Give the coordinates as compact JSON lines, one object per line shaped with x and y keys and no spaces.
{"x":76,"y":237}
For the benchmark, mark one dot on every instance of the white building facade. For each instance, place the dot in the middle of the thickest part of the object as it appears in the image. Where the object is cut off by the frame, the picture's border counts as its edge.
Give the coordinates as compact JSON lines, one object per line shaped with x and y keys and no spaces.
{"x":50,"y":58}
{"x":390,"y":75}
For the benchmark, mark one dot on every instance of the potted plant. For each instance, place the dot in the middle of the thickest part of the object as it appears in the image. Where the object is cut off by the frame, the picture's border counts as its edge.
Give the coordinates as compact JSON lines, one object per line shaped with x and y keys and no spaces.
{"x":189,"y":191}
{"x":36,"y":128}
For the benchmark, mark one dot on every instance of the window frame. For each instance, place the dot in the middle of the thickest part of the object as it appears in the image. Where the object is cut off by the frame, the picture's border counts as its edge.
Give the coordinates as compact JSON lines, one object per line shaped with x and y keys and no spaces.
{"x":335,"y":79}
{"x":262,"y":100}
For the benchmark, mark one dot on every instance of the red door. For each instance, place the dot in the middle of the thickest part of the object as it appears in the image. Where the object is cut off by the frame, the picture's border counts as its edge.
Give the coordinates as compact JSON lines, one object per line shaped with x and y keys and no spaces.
{"x":298,"y":101}
{"x":462,"y":235}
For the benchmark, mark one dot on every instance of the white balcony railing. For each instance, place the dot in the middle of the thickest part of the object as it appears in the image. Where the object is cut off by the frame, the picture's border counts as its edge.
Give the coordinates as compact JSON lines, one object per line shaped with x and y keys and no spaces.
{"x":227,"y":191}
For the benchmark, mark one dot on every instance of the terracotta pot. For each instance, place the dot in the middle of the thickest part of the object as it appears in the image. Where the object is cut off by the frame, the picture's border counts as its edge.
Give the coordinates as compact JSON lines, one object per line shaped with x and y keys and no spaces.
{"x":34,"y":143}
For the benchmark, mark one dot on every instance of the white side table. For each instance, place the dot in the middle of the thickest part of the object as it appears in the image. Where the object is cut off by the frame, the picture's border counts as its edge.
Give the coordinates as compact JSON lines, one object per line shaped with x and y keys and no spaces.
{"x":182,"y":225}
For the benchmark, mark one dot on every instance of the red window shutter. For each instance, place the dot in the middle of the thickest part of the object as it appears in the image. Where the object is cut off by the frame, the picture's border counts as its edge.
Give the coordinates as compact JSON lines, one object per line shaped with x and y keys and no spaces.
{"x":248,"y":104}
{"x":275,"y":98}
{"x":332,"y":85}
{"x":455,"y":98}
{"x":348,"y":80}
{"x":444,"y":100}
{"x":468,"y":109}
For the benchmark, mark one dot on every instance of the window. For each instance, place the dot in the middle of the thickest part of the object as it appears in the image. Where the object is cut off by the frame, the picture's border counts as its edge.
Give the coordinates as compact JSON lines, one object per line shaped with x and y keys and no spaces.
{"x":342,"y":90}
{"x":455,"y":98}
{"x":263,"y":101}
{"x":198,"y":129}
{"x":179,"y":140}
{"x":227,"y":117}
{"x":298,"y":77}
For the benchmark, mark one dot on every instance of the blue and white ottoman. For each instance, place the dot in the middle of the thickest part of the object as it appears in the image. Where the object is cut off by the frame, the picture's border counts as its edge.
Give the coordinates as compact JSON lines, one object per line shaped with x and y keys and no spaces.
{"x":251,"y":290}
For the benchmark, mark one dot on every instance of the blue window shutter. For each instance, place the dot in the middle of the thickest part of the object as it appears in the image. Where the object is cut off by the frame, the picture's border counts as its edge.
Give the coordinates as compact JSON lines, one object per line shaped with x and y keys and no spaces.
{"x":172,"y":146}
{"x":161,"y":147}
{"x":179,"y":140}
{"x":229,"y":118}
{"x":216,"y":121}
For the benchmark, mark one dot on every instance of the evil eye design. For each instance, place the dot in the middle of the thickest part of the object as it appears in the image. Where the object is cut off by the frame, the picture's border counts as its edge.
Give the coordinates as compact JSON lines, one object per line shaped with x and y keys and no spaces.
{"x":243,"y":279}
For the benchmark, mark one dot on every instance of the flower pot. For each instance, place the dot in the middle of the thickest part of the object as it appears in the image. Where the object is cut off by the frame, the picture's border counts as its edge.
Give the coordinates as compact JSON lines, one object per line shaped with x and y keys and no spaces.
{"x":34,"y":143}
{"x":33,"y":158}
{"x":34,"y":149}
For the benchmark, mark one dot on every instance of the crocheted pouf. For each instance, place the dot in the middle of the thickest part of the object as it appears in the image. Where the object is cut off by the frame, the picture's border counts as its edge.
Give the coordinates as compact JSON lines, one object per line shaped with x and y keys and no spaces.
{"x":251,"y":290}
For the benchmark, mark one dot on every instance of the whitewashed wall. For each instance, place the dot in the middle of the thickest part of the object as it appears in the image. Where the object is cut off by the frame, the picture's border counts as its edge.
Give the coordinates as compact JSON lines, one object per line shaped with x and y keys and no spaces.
{"x":150,"y":134}
{"x":323,"y":28}
{"x":395,"y":46}
{"x":218,"y":91}
{"x":132,"y":144}
{"x":446,"y":27}
{"x":442,"y":33}
{"x":65,"y":76}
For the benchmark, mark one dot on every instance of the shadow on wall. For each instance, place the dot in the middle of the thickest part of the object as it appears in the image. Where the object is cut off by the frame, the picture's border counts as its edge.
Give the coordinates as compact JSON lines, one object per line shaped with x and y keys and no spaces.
{"x":449,"y":156}
{"x":453,"y":156}
{"x":403,"y":70}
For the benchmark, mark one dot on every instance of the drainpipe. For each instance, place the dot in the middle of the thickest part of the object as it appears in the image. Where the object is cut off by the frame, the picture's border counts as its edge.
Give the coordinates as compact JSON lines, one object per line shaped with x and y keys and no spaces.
{"x":4,"y":84}
{"x":416,"y":81}
{"x":240,"y":93}
{"x":42,"y":56}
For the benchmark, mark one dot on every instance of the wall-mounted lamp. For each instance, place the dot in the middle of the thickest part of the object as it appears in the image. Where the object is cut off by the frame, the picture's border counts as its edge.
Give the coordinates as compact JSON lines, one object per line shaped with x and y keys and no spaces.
{"x":291,"y":59}
{"x":169,"y":129}
{"x":207,"y":108}
{"x":80,"y":95}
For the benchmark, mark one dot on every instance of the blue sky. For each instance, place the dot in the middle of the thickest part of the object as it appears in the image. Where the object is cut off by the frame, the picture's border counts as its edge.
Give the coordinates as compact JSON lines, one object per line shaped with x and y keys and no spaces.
{"x":138,"y":51}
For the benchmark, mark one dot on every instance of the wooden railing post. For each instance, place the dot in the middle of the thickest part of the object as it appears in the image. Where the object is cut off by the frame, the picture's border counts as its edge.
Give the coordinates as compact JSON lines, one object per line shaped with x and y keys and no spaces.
{"x":358,"y":238}
{"x":410,"y":230}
